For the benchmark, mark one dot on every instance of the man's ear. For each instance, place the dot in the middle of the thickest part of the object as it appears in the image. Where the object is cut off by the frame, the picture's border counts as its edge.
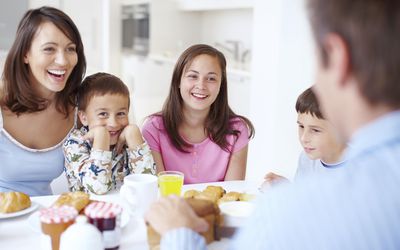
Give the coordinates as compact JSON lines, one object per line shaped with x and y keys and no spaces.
{"x":83,"y":118}
{"x":26,"y":61}
{"x":338,"y":57}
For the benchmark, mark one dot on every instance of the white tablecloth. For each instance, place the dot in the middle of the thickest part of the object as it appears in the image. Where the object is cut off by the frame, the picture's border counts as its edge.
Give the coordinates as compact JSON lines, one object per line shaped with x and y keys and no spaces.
{"x":18,"y":232}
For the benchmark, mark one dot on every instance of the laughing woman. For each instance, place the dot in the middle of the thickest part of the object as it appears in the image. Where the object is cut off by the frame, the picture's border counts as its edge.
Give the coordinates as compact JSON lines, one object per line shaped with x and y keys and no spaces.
{"x":42,"y":71}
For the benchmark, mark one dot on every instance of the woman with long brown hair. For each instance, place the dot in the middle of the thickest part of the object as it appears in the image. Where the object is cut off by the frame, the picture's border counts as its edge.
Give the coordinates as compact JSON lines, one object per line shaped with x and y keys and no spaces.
{"x":43,"y":69}
{"x":196,"y":132}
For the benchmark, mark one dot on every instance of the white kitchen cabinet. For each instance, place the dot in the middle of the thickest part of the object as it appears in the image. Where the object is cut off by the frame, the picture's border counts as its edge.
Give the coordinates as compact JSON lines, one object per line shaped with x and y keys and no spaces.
{"x":129,"y":2}
{"x":206,"y":5}
{"x":40,"y":3}
{"x":239,"y":93}
{"x":99,"y":25}
{"x":148,"y":81}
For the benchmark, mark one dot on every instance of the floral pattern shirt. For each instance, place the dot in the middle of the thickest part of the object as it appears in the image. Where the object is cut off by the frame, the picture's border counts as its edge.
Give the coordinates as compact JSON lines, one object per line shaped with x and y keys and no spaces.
{"x":99,"y":171}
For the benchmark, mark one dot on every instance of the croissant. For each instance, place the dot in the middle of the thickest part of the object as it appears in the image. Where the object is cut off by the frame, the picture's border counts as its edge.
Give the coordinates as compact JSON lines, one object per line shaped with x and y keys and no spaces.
{"x":190,"y":193}
{"x":217,"y":190}
{"x":207,"y":195}
{"x":231,"y":196}
{"x":11,"y":202}
{"x":77,"y":199}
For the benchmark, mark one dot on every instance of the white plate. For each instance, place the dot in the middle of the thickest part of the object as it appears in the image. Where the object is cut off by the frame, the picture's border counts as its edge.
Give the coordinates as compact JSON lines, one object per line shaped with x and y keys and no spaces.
{"x":237,"y":186}
{"x":34,"y":222}
{"x":33,"y":207}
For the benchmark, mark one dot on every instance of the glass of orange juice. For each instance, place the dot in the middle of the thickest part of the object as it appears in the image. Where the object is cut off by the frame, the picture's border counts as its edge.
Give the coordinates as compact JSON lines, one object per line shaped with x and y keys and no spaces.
{"x":170,"y":182}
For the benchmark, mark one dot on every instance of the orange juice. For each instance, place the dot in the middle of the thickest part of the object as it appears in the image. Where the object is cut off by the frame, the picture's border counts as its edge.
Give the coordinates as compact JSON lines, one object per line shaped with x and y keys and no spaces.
{"x":170,"y":183}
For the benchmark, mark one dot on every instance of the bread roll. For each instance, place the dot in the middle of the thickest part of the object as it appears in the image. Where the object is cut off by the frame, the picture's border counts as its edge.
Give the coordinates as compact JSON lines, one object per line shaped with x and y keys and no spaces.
{"x":231,"y":196}
{"x":11,"y":202}
{"x":77,"y":199}
{"x":247,"y":197}
{"x":208,"y":195}
{"x":190,"y":193}
{"x":217,"y":190}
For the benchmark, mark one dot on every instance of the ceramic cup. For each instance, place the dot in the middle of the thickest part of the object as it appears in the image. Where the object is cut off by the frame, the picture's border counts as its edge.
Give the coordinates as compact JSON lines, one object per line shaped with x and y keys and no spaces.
{"x":138,"y":192}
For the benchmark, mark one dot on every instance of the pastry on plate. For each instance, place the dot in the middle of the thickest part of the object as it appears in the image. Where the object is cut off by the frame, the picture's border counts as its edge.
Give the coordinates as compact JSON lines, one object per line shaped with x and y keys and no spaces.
{"x":246,"y":197}
{"x":231,"y":196}
{"x":77,"y":199}
{"x":208,"y":195}
{"x":11,"y":202}
{"x":190,"y":193}
{"x":217,"y":190}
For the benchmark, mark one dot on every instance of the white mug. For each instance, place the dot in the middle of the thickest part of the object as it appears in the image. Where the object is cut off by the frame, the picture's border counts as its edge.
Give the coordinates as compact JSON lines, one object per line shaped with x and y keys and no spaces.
{"x":138,"y":192}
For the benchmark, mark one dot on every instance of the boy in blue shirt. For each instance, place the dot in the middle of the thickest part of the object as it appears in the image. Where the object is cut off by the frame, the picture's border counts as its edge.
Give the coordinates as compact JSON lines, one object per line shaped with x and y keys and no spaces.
{"x":322,"y":148}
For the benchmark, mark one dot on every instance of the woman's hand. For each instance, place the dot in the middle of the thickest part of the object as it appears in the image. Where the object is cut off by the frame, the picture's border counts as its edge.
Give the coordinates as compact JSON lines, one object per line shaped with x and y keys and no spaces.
{"x":173,"y":212}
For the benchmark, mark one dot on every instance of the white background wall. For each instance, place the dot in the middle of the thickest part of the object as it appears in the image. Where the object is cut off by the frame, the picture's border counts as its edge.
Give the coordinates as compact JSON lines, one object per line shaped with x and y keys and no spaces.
{"x":282,"y":68}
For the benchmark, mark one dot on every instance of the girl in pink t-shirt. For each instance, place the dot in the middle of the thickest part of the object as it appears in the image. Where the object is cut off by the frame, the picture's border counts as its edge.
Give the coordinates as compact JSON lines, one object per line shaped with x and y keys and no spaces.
{"x":196,"y":132}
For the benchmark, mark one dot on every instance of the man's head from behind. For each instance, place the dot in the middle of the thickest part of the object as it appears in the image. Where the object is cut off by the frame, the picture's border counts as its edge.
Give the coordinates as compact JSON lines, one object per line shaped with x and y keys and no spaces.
{"x":357,"y":44}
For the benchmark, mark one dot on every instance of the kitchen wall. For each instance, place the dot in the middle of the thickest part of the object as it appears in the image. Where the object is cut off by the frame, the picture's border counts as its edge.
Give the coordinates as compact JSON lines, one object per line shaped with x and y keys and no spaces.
{"x":283,"y":66}
{"x":225,"y":25}
{"x":9,"y":18}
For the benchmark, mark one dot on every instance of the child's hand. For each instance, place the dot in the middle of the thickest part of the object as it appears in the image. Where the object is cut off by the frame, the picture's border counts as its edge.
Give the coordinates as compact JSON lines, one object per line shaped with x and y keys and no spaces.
{"x":99,"y":137}
{"x":272,"y":179}
{"x":130,"y":136}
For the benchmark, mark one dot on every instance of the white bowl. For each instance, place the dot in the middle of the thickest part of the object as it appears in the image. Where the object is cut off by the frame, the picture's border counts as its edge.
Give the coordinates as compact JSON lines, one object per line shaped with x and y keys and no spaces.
{"x":235,"y":212}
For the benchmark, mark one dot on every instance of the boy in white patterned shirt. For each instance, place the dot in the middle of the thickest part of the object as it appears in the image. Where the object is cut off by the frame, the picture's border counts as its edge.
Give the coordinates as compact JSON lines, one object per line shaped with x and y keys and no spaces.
{"x":107,"y":148}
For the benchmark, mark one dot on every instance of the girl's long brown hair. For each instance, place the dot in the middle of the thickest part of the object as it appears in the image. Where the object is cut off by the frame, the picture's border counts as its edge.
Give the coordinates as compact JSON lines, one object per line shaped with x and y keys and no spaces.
{"x":18,"y":93}
{"x":219,"y":122}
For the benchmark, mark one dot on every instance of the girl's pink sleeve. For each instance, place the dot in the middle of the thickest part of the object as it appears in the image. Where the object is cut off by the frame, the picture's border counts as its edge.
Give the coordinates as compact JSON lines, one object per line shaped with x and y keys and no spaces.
{"x":151,"y":133}
{"x":243,"y":138}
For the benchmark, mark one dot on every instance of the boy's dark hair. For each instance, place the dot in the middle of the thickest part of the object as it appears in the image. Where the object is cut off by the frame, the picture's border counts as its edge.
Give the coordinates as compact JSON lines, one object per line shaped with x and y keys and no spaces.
{"x":307,"y":103}
{"x":100,"y":84}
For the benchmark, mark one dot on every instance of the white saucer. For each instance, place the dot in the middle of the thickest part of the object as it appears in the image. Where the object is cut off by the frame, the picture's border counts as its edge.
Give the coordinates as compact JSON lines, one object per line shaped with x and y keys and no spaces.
{"x":33,"y":207}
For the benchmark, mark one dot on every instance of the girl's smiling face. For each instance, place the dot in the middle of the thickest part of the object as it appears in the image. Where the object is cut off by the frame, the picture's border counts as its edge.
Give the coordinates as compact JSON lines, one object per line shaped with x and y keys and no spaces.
{"x":200,"y":83}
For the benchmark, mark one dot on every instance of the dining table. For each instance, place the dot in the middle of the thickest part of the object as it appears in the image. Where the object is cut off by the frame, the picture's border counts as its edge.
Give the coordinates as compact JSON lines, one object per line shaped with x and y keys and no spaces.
{"x":23,"y":231}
